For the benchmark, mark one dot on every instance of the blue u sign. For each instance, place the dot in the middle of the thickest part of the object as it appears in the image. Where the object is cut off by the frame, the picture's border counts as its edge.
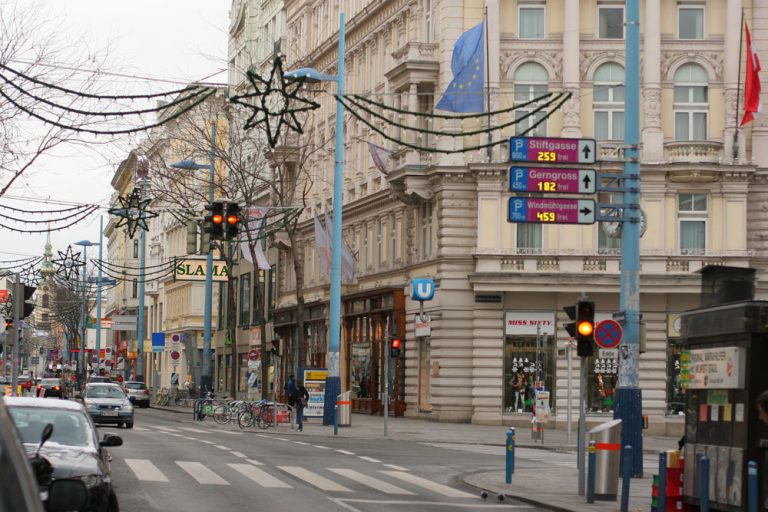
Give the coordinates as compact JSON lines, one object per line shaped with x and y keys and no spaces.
{"x":422,"y":288}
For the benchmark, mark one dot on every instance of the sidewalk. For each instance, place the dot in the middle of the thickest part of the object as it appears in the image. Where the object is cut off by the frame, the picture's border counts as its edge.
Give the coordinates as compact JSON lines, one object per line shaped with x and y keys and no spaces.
{"x":554,"y":489}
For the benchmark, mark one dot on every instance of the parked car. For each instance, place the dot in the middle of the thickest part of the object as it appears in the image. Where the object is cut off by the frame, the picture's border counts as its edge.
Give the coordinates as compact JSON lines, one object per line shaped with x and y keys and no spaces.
{"x":53,"y":387}
{"x":137,"y":392}
{"x":72,"y":448}
{"x":99,"y":378}
{"x":108,"y":403}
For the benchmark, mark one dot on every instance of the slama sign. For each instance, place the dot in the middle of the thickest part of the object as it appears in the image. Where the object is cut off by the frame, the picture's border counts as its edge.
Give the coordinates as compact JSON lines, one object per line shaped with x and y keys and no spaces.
{"x":194,"y":270}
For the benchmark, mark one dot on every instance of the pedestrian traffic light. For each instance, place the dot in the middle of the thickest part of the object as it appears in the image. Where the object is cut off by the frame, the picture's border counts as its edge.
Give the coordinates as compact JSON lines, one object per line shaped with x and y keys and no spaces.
{"x":29,"y":306}
{"x":395,"y":344}
{"x":232,"y":221}
{"x":213,"y":222}
{"x":585,"y":328}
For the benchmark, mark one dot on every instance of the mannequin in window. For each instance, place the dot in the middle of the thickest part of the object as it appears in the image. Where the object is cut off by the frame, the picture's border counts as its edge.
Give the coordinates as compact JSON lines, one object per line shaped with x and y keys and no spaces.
{"x":518,"y":388}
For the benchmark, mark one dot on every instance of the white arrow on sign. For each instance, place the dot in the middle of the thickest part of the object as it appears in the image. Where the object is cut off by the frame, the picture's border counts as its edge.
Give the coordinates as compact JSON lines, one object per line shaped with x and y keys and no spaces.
{"x":586,"y":211}
{"x":587,"y":181}
{"x":587,"y":151}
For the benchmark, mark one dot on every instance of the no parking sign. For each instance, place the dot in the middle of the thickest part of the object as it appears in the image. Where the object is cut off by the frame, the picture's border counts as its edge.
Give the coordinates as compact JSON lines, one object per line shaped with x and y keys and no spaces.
{"x":608,"y":334}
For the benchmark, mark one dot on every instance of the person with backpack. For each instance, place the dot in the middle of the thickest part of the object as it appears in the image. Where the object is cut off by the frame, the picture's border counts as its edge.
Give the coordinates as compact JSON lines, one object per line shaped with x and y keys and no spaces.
{"x":290,"y":390}
{"x":300,"y":400}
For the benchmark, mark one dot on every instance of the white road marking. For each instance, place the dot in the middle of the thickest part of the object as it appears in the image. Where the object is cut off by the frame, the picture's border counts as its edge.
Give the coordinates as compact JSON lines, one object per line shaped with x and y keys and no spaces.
{"x":188,"y":438}
{"x":254,"y":462}
{"x":301,"y":443}
{"x":428,"y":484}
{"x":206,"y":442}
{"x":369,"y":459}
{"x":202,"y":474}
{"x":396,"y":468}
{"x":345,"y":452}
{"x":199,"y":431}
{"x":145,"y":470}
{"x":280,"y":438}
{"x":375,"y":483}
{"x":165,"y":429}
{"x":222,"y":447}
{"x":240,"y":454}
{"x":318,"y":481}
{"x":322,"y":447}
{"x":229,"y":432}
{"x":345,"y":502}
{"x":259,"y":476}
{"x":141,"y":429}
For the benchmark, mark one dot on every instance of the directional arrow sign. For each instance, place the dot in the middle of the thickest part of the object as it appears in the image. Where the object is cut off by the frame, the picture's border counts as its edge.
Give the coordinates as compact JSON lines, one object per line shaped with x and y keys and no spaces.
{"x":564,"y":181}
{"x":552,"y":150}
{"x":551,"y":210}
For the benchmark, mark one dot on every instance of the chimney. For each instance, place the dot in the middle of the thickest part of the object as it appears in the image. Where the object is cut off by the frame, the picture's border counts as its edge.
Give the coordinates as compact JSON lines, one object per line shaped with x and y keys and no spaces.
{"x":721,"y":284}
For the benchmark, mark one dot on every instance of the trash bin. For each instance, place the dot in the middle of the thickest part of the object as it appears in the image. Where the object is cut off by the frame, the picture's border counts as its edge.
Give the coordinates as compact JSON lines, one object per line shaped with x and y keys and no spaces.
{"x":607,"y":438}
{"x":344,"y":403}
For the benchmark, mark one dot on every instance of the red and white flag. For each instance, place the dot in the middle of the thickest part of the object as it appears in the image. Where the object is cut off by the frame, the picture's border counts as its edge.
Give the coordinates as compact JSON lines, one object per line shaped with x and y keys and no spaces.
{"x":751,"y":82}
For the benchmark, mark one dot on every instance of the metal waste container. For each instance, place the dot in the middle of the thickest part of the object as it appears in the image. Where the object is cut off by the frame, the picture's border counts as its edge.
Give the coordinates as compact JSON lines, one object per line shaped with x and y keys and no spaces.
{"x":344,"y":404}
{"x":607,"y":438}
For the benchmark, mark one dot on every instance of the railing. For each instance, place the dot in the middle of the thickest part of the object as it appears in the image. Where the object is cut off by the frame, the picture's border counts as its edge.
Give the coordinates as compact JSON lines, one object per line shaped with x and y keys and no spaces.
{"x":415,"y":51}
{"x":693,"y":152}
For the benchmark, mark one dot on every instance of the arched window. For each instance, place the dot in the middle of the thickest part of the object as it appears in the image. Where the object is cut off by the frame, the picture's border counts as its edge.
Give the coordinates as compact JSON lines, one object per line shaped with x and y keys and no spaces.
{"x":531,"y":81}
{"x":691,"y":102}
{"x":45,"y":301}
{"x":608,"y":102}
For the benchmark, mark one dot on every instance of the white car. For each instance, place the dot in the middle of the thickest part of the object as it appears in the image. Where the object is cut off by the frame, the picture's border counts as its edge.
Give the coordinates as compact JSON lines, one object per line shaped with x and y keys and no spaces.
{"x":108,"y":403}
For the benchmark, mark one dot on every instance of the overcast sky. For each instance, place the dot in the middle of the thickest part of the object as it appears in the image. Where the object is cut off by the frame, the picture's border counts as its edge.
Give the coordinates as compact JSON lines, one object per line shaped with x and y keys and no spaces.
{"x":177,"y":40}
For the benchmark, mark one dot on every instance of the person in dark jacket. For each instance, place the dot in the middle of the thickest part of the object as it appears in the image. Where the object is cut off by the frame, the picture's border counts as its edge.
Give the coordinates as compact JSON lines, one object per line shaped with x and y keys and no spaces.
{"x":300,"y":399}
{"x":290,"y":390}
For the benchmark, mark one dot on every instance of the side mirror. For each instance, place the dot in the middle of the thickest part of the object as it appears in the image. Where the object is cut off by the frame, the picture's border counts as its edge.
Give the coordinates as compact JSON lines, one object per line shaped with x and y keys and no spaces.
{"x":111,"y":440}
{"x":66,"y":495}
{"x":44,"y":436}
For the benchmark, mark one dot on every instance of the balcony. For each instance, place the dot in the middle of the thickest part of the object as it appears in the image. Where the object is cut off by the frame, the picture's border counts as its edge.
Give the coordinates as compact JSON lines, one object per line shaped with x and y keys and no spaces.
{"x":414,"y":63}
{"x":694,"y":152}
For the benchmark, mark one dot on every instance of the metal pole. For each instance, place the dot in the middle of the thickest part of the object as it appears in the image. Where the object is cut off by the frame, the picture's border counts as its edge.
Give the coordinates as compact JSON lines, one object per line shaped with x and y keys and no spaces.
{"x":206,"y":379}
{"x":752,"y":486}
{"x":582,"y":423}
{"x":628,"y":405}
{"x":333,"y":383}
{"x":591,"y":472}
{"x":662,"y":487}
{"x":626,"y":476}
{"x":18,"y":298}
{"x":569,"y":399}
{"x":98,"y":294}
{"x":510,"y":455}
{"x":140,"y":320}
{"x":385,"y":395}
{"x":82,"y":318}
{"x":703,"y":469}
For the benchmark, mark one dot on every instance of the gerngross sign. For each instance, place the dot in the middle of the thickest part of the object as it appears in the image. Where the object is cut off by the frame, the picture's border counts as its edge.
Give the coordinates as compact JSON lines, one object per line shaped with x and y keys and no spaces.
{"x":194,"y":270}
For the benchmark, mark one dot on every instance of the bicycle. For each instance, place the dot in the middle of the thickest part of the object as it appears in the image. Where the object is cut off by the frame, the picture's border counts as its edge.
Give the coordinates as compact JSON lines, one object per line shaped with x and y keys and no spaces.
{"x":229,"y":412}
{"x":204,"y":406}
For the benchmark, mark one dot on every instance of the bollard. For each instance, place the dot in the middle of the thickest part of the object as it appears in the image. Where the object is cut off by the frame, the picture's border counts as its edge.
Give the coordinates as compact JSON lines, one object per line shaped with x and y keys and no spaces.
{"x":626,"y":477}
{"x":752,"y":486}
{"x":591,"y":472}
{"x":510,"y":454}
{"x":662,"y":489}
{"x":335,"y":420}
{"x":704,"y":483}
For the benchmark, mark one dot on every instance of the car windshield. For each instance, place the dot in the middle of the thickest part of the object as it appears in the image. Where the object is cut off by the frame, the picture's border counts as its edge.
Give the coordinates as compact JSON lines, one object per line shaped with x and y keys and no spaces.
{"x":104,"y":392}
{"x":135,"y":385}
{"x":70,"y":428}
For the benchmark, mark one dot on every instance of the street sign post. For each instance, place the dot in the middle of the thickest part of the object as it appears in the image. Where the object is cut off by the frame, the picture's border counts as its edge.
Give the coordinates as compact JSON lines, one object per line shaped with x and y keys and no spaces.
{"x":552,"y":150}
{"x":608,"y":334}
{"x":559,"y":181}
{"x":551,"y":210}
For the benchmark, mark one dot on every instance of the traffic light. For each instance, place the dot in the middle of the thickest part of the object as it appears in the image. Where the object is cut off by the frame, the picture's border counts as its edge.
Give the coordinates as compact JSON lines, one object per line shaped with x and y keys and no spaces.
{"x":232,"y":221}
{"x":570,"y":327}
{"x":28,"y":305}
{"x":8,"y":324}
{"x":585,"y":328}
{"x":213,"y":222}
{"x":191,"y":237}
{"x":395,"y":344}
{"x":275,"y":347}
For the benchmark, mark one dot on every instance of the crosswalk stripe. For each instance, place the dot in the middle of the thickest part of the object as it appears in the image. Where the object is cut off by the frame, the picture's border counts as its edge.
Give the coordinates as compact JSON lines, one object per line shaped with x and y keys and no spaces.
{"x":254,"y":462}
{"x":369,"y":481}
{"x":240,"y":454}
{"x":230,"y":432}
{"x":427,"y":484}
{"x":190,"y":429}
{"x":318,"y":481}
{"x":396,"y":468}
{"x":369,"y":459}
{"x":202,"y":474}
{"x":222,"y":447}
{"x":206,"y":441}
{"x":166,"y":429}
{"x":259,"y":476}
{"x":145,"y":470}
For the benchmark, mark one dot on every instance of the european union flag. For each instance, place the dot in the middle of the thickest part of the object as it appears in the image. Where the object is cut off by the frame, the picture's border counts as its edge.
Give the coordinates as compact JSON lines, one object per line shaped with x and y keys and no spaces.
{"x":465,"y":93}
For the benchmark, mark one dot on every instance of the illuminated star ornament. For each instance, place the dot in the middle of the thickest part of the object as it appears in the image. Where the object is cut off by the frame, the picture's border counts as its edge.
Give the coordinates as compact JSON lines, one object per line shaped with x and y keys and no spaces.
{"x":30,"y":276}
{"x":133,"y":212}
{"x":276,"y":102}
{"x":68,"y":262}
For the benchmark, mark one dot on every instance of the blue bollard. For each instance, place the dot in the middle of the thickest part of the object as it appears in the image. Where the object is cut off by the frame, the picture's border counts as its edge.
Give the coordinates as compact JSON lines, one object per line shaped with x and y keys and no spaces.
{"x":662,"y":490}
{"x":752,"y":486}
{"x":704,"y":483}
{"x":592,"y":462}
{"x":626,"y":477}
{"x":335,"y":420}
{"x":510,"y":454}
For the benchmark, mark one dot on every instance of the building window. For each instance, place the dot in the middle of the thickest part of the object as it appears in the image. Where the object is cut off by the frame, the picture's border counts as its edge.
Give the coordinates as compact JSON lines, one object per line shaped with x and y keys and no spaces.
{"x":366,"y":248}
{"x":245,"y":299}
{"x":529,"y":238}
{"x":136,"y":248}
{"x":608,"y":98}
{"x":692,"y":213}
{"x":531,"y":22}
{"x":690,"y":22}
{"x":610,"y":22}
{"x":425,"y":225}
{"x":531,"y":81}
{"x":45,"y":301}
{"x":691,"y":103}
{"x":392,"y":241}
{"x":135,"y":291}
{"x":609,"y":233}
{"x":379,"y":244}
{"x":429,"y":26}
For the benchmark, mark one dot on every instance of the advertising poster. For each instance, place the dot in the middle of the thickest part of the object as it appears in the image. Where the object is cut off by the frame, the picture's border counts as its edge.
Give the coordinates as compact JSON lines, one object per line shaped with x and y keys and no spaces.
{"x":314,"y":381}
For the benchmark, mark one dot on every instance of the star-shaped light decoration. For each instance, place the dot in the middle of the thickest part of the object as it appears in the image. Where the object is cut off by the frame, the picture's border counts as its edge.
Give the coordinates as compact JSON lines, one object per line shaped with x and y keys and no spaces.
{"x":133,"y":212}
{"x":68,"y":262}
{"x":276,"y":102}
{"x":30,"y":276}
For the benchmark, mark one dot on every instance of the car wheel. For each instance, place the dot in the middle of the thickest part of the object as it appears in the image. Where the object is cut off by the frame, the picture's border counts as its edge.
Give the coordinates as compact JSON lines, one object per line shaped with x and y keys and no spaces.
{"x":113,"y":506}
{"x":128,"y":425}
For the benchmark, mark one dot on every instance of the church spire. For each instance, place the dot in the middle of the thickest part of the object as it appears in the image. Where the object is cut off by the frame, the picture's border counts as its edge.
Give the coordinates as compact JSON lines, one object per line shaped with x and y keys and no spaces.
{"x":47,"y":268}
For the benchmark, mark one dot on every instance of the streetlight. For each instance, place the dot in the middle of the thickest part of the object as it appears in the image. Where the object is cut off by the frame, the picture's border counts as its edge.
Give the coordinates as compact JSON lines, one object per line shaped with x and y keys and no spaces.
{"x":206,"y":379}
{"x":333,"y":383}
{"x":85,"y":244}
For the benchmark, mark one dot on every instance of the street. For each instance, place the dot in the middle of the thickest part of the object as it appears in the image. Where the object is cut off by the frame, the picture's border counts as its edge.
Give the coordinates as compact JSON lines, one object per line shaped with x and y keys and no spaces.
{"x":168,"y":462}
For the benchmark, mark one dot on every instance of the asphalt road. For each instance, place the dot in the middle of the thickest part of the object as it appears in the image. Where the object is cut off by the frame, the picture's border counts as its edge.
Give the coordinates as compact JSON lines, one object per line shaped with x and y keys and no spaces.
{"x":169,"y":463}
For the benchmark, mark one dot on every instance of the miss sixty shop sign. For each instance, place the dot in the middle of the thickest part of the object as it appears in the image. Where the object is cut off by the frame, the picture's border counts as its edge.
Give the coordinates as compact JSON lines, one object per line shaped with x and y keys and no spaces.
{"x":518,"y":323}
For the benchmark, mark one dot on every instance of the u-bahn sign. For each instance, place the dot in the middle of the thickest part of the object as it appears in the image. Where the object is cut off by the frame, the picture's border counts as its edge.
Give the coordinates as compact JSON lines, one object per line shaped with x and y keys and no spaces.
{"x":194,"y":270}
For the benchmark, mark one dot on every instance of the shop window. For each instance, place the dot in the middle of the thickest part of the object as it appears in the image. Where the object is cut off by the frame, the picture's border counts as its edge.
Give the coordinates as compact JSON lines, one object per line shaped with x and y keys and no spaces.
{"x":521,"y":371}
{"x":675,"y":390}
{"x":602,"y":380}
{"x":361,"y":357}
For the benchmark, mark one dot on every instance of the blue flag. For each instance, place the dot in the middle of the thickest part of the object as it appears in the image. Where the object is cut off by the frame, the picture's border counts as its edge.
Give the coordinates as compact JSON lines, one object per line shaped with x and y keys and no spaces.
{"x":465,"y":92}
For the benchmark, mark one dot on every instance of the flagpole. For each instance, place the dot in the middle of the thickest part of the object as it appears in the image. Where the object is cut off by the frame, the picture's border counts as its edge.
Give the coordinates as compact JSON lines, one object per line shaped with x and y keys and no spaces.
{"x":487,"y":80}
{"x":738,"y":92}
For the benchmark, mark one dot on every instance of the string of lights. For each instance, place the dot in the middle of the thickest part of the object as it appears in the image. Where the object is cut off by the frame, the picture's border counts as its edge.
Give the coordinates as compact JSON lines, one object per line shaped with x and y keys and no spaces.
{"x":43,"y":212}
{"x":23,"y":261}
{"x":82,"y":216}
{"x":108,"y":264}
{"x":43,"y":221}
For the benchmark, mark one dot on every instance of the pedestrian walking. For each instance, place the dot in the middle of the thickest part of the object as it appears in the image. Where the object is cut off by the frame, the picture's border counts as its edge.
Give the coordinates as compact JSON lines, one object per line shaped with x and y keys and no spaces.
{"x":300,"y":399}
{"x":290,"y":389}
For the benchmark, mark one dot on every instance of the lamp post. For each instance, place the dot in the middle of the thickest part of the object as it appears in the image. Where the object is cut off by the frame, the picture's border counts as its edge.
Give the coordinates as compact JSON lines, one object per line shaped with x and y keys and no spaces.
{"x":333,"y":383}
{"x":206,"y":379}
{"x":98,"y":295}
{"x":85,"y":244}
